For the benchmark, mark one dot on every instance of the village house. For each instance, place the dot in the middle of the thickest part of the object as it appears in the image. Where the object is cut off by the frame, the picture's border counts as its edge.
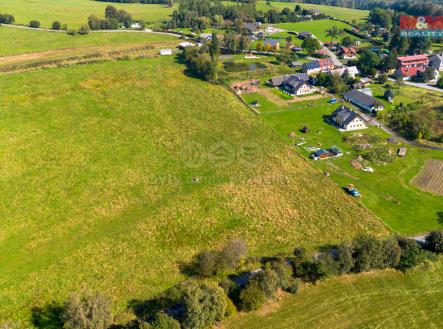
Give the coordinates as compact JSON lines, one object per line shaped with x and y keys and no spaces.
{"x":352,"y":71}
{"x":273,"y":43}
{"x":409,"y":66}
{"x":297,"y":87}
{"x":348,"y":53}
{"x":363,"y":101}
{"x":294,"y":84}
{"x":304,"y":35}
{"x":252,"y":27}
{"x":347,"y":120}
{"x":317,"y":66}
{"x":436,"y":61}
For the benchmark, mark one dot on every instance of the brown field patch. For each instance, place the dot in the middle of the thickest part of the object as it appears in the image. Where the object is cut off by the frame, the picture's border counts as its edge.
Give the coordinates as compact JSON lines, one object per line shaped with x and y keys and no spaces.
{"x":430,"y":178}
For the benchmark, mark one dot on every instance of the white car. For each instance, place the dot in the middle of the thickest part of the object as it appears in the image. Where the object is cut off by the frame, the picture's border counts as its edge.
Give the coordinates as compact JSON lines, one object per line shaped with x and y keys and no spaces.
{"x":368,"y":169}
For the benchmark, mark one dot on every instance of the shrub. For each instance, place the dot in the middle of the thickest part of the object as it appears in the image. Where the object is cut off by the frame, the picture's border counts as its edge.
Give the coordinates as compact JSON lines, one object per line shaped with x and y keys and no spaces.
{"x":6,"y":19}
{"x":435,"y":241}
{"x":268,"y":281}
{"x":205,"y":305}
{"x":65,"y":27}
{"x":344,"y":258}
{"x":84,"y":29}
{"x":87,"y":311}
{"x":382,"y":78}
{"x":284,"y":273}
{"x":34,"y":24}
{"x":232,"y":253}
{"x":56,"y":25}
{"x":411,"y":254}
{"x":252,"y":297}
{"x":164,"y":321}
{"x":392,"y":253}
{"x":329,"y":264}
{"x":368,"y":253}
{"x":206,"y":263}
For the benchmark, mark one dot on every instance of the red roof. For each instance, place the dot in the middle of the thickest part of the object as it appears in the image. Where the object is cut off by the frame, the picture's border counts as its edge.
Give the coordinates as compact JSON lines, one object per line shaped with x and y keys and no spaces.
{"x":327,"y":62}
{"x":347,"y":51}
{"x":410,"y":71}
{"x":415,"y":58}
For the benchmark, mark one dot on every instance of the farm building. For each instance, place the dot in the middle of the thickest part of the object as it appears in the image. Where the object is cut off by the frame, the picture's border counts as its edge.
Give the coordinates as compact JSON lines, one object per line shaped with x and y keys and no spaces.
{"x":273,"y":43}
{"x":165,"y":52}
{"x":436,"y":62}
{"x":347,"y":119}
{"x":363,"y":101}
{"x":402,"y":151}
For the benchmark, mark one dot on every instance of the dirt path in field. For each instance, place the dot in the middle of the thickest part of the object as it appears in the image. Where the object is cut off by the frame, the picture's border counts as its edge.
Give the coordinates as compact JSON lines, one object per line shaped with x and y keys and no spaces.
{"x":277,"y":100}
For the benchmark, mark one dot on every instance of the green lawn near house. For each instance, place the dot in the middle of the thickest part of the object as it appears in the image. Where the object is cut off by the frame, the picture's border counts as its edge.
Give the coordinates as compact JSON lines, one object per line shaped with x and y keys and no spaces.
{"x":388,"y":192}
{"x":318,"y":28}
{"x":19,"y":41}
{"x":76,"y":12}
{"x":384,"y":299}
{"x":97,"y":167}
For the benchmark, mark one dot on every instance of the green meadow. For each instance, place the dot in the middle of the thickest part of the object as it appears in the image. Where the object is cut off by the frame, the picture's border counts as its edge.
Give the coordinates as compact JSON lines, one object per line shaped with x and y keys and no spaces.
{"x":346,"y":14}
{"x":96,"y":172}
{"x":19,"y":41}
{"x":388,"y":192}
{"x":384,"y":299}
{"x":318,"y":28}
{"x":76,"y":12}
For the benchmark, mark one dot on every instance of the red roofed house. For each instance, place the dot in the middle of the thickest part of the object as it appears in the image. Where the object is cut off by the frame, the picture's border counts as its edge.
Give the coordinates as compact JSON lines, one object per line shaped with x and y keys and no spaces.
{"x":408,"y":66}
{"x":348,"y":53}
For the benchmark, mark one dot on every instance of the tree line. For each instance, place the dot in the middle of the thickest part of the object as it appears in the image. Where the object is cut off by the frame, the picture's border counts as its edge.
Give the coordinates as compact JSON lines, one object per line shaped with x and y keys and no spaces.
{"x":226,"y":280}
{"x":113,"y":19}
{"x":165,"y":2}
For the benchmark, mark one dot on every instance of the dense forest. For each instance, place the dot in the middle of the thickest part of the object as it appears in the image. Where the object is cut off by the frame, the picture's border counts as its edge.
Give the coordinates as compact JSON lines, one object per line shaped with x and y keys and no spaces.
{"x":166,"y":2}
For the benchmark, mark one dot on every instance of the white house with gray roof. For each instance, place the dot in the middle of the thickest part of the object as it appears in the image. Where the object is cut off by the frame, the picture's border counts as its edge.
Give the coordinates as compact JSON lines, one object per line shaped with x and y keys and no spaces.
{"x":436,"y":62}
{"x":348,"y":120}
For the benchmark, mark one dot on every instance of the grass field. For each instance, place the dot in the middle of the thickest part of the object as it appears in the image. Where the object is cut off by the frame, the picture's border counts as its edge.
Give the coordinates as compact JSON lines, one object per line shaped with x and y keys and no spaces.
{"x":97,"y":164}
{"x":318,"y":28}
{"x":18,"y":41}
{"x":346,"y":14}
{"x":388,"y":192}
{"x":373,"y":300}
{"x":76,"y":12}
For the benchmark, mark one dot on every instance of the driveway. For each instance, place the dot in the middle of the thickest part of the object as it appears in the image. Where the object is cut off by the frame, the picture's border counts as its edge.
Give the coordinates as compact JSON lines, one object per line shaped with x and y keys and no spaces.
{"x":421,"y":85}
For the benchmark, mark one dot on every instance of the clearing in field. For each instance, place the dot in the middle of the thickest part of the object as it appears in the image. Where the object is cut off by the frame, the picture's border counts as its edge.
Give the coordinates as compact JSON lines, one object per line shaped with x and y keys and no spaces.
{"x":384,"y":299}
{"x":430,"y":178}
{"x":97,"y":173}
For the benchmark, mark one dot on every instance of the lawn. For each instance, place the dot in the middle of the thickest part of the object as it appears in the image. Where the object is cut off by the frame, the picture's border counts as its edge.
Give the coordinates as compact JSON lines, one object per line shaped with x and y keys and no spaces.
{"x":346,"y":14}
{"x":18,"y":41}
{"x":76,"y":12}
{"x":388,"y":192}
{"x":384,"y":299}
{"x":318,"y":28}
{"x":97,"y":167}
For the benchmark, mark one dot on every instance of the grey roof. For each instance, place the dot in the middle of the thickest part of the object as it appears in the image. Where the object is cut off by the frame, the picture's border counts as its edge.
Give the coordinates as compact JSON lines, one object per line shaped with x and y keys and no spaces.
{"x":250,"y":26}
{"x":346,"y":113}
{"x":311,"y":65}
{"x":295,"y":84}
{"x":305,"y":34}
{"x":271,"y":42}
{"x":360,"y":98}
{"x":278,"y":81}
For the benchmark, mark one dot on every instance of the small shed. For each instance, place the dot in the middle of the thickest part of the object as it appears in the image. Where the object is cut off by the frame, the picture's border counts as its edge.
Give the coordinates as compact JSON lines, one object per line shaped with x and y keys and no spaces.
{"x":165,"y":52}
{"x":402,"y":151}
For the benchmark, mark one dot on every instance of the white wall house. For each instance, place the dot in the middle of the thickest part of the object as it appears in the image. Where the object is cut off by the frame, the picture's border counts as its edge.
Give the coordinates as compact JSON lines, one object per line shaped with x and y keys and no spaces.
{"x":348,"y":120}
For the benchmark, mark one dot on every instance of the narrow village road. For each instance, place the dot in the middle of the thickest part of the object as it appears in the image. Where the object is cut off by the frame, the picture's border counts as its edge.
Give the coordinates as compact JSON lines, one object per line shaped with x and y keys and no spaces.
{"x":331,"y":54}
{"x":421,"y":85}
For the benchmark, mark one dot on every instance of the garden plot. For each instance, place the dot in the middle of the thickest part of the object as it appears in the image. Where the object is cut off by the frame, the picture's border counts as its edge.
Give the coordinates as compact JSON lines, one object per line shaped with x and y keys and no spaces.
{"x":430,"y":178}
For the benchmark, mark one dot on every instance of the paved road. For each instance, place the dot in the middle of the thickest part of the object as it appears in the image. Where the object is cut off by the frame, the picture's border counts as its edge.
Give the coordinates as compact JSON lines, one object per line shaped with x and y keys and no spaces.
{"x":331,"y":54}
{"x":421,"y":85}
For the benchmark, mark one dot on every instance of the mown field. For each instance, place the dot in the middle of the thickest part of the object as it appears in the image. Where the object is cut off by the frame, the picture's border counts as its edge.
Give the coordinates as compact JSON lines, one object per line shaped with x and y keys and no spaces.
{"x":76,"y":12}
{"x":19,"y":41}
{"x":346,"y":14}
{"x":384,"y":299}
{"x":96,"y":170}
{"x":318,"y":28}
{"x":388,"y":192}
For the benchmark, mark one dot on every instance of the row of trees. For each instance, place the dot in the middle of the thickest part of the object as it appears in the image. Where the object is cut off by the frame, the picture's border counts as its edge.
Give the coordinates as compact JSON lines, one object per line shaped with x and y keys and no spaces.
{"x":220,"y":284}
{"x":114,"y":19}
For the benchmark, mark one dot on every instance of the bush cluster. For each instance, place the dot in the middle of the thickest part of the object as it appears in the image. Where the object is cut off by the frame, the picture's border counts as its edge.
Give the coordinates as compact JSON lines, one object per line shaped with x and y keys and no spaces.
{"x":113,"y":19}
{"x":6,"y":19}
{"x":199,"y":303}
